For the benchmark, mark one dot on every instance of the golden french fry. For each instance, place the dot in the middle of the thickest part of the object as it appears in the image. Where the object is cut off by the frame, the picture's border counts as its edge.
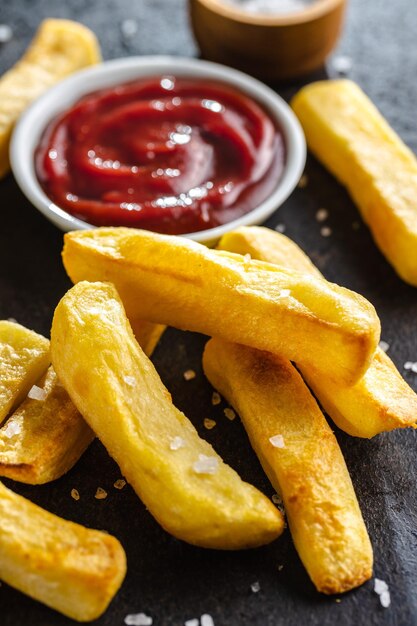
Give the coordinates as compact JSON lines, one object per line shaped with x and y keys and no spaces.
{"x":24,"y":357}
{"x":180,"y":478}
{"x":43,"y":439}
{"x":147,"y":334}
{"x":302,"y":458}
{"x":381,"y":400}
{"x":351,"y":138}
{"x":59,"y":48}
{"x":179,"y":282}
{"x":72,"y":569}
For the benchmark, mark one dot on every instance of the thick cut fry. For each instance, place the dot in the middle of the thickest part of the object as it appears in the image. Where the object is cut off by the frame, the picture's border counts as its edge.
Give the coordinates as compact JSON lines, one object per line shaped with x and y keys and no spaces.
{"x":381,"y":400}
{"x":72,"y":569}
{"x":24,"y":357}
{"x":59,"y":48}
{"x":352,"y":139}
{"x":43,"y":439}
{"x":181,"y":283}
{"x":306,"y":466}
{"x":179,"y":477}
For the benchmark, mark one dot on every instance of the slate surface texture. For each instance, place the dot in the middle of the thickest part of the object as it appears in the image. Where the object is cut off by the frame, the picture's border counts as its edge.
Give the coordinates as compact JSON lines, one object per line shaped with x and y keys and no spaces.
{"x":167,"y":579}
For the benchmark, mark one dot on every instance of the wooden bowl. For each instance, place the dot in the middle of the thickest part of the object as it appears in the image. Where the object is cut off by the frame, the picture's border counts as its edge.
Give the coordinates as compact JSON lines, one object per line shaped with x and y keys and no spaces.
{"x":270,"y":47}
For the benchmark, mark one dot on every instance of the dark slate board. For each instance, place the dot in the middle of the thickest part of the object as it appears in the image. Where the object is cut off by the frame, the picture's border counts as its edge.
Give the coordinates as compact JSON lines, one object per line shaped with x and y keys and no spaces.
{"x":167,"y":579}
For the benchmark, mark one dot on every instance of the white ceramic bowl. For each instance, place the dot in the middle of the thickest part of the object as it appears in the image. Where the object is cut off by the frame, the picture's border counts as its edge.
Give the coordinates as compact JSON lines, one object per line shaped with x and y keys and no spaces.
{"x":33,"y":122}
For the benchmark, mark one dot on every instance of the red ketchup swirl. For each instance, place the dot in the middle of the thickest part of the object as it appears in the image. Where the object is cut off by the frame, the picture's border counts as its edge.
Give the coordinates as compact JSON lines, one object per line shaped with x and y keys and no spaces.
{"x":166,"y":154}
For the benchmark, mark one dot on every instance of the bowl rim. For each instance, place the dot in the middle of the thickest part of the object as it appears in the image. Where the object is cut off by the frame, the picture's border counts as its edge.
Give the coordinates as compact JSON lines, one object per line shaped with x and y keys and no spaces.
{"x":315,"y":10}
{"x":33,"y":122}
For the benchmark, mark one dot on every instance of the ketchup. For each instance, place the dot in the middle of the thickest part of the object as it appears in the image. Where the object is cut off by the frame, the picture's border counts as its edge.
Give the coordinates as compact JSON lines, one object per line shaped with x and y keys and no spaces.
{"x":167,"y":154}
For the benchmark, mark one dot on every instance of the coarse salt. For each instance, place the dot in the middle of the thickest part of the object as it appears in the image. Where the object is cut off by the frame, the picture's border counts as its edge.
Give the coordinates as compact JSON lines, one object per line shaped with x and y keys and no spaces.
{"x":11,"y":429}
{"x":119,"y":484}
{"x":277,"y":441}
{"x":381,"y":588}
{"x":215,"y":398}
{"x":342,"y":64}
{"x":385,"y":599}
{"x":75,"y":494}
{"x":129,"y":380}
{"x":280,"y":228}
{"x":192,"y":622}
{"x":414,"y":368}
{"x":408,"y":365}
{"x":176,"y":443}
{"x":321,"y":215}
{"x":230,"y":414}
{"x":280,"y":568}
{"x":37,"y":393}
{"x":255,"y":587}
{"x":6,"y":33}
{"x":276,"y":499}
{"x":206,"y":464}
{"x":189,"y":375}
{"x":129,"y":28}
{"x":138,"y":619}
{"x":206,"y":620}
{"x":384,"y":346}
{"x":209,"y":423}
{"x":101,"y":494}
{"x":12,"y":319}
{"x":325,"y":231}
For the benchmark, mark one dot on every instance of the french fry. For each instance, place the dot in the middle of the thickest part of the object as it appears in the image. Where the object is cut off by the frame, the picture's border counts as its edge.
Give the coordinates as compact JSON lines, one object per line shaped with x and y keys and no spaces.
{"x":181,"y":283}
{"x":306,"y":467}
{"x":351,"y":138}
{"x":43,"y":439}
{"x":381,"y":400}
{"x":181,"y":480}
{"x":72,"y":569}
{"x":24,"y":357}
{"x":59,"y":48}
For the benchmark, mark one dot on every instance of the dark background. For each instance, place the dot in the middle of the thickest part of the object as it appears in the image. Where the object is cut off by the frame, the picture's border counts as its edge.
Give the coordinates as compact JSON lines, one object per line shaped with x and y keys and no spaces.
{"x":167,"y":579}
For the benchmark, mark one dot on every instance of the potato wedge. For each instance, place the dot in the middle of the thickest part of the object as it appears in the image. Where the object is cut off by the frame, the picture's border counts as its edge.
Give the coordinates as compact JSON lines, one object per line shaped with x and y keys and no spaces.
{"x":351,"y":138}
{"x":182,"y":481}
{"x":24,"y":358}
{"x":308,"y":470}
{"x":42,"y":440}
{"x":72,"y":569}
{"x":59,"y":48}
{"x":179,"y":282}
{"x":381,"y":400}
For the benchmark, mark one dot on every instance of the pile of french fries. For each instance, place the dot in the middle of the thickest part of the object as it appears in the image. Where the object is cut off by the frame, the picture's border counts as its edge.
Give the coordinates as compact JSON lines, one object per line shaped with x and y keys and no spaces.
{"x":266,"y":307}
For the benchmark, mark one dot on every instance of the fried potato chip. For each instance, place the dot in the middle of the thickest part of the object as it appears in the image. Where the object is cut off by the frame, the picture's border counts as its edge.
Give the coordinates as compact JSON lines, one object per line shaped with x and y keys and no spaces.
{"x":381,"y":400}
{"x":350,"y":137}
{"x":302,"y":458}
{"x":180,"y":478}
{"x":59,"y":48}
{"x":43,"y":439}
{"x":179,"y":282}
{"x":72,"y":569}
{"x":24,"y":357}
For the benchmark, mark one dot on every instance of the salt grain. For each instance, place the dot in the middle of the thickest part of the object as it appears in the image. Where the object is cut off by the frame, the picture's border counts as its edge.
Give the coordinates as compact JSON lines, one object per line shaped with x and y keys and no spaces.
{"x":303,"y":182}
{"x":342,"y":64}
{"x":119,"y":484}
{"x":101,"y":494}
{"x":381,"y":588}
{"x":230,"y":414}
{"x":11,"y":429}
{"x":36,"y":393}
{"x":206,"y":620}
{"x":325,"y":231}
{"x":176,"y":443}
{"x":129,"y":28}
{"x":385,"y":599}
{"x":280,"y":228}
{"x":6,"y":33}
{"x":277,"y":441}
{"x":74,"y":494}
{"x":384,"y":346}
{"x":276,"y":499}
{"x":408,"y":365}
{"x":138,"y":619}
{"x":206,"y":464}
{"x":322,"y":215}
{"x":414,"y":368}
{"x":280,"y":568}
{"x":130,"y":380}
{"x":215,"y":398}
{"x":189,"y":375}
{"x":12,"y":319}
{"x":255,"y":587}
{"x":209,"y":423}
{"x":192,"y":622}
